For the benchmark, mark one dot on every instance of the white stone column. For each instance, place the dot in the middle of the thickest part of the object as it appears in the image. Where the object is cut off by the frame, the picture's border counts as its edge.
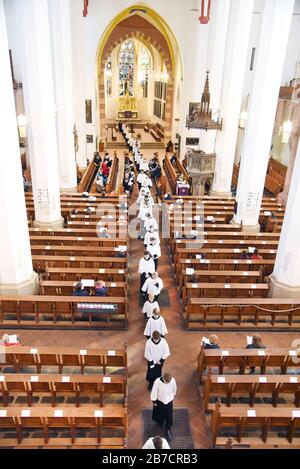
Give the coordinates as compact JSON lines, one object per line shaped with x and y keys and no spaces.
{"x":16,"y":272}
{"x":194,"y":68}
{"x":275,"y":27}
{"x":60,"y":23}
{"x":240,"y":17}
{"x":218,"y":25}
{"x":78,"y":50}
{"x":40,"y":107}
{"x":285,"y":279}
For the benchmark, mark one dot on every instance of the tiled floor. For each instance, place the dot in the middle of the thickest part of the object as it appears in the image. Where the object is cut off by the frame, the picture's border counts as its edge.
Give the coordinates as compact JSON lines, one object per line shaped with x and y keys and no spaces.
{"x":184,"y":349}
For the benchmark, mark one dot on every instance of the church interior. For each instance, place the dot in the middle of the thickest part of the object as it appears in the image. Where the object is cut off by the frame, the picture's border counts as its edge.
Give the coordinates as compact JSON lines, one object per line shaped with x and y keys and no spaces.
{"x":150,"y":198}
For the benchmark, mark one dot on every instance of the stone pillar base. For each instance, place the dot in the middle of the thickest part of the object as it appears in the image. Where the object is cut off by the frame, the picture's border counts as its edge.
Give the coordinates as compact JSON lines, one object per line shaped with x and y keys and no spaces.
{"x":226,"y":195}
{"x":68,"y":190}
{"x":29,"y":287}
{"x":247,"y":228}
{"x":281,"y":290}
{"x":45,"y":225}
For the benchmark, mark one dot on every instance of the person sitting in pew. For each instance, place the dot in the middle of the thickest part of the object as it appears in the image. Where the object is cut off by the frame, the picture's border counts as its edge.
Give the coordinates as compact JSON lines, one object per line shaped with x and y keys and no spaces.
{"x":157,"y":442}
{"x":194,"y":278}
{"x":10,"y":340}
{"x":211,"y":342}
{"x":244,"y":255}
{"x":101,"y":288}
{"x":79,"y":290}
{"x":255,"y":256}
{"x":168,"y":196}
{"x":269,"y":224}
{"x":102,"y":233}
{"x":155,"y":323}
{"x":256,"y":343}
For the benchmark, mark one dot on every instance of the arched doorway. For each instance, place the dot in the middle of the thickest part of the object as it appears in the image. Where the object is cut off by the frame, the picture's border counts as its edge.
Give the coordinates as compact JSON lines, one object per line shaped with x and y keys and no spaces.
{"x":140,"y":25}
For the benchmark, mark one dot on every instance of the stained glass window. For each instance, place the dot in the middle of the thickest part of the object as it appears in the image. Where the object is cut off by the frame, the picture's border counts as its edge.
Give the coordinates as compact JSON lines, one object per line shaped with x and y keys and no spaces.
{"x":144,"y":70}
{"x":108,"y":74}
{"x":126,"y":67}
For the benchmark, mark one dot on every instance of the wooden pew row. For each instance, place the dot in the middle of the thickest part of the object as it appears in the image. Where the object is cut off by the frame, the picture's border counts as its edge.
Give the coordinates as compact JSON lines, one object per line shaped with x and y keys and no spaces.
{"x":88,"y":176}
{"x":249,"y":313}
{"x":75,"y":274}
{"x":40,"y":263}
{"x":96,"y":218}
{"x":272,"y":185}
{"x":223,"y":253}
{"x":66,"y":287}
{"x":262,"y":423}
{"x":266,"y":265}
{"x":63,"y":250}
{"x":216,"y":199}
{"x":37,"y":311}
{"x":111,"y":243}
{"x":219,"y":276}
{"x":223,"y":290}
{"x":220,"y":238}
{"x":251,"y":386}
{"x":75,"y":196}
{"x":45,"y":357}
{"x":112,"y":418}
{"x":79,"y":232}
{"x":207,"y":226}
{"x":113,"y":226}
{"x":112,"y":178}
{"x":241,"y":359}
{"x":228,"y":243}
{"x":54,"y":386}
{"x":199,"y":207}
{"x":277,"y":166}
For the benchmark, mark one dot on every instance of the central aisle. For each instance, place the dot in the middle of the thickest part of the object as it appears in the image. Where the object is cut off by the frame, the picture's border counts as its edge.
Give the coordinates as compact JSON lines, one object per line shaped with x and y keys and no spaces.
{"x":182,"y":362}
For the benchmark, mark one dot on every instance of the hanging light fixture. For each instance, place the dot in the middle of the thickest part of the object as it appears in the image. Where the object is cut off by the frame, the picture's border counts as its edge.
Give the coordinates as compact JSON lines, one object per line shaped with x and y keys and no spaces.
{"x":242,"y":120}
{"x":287,"y":126}
{"x":286,"y":131}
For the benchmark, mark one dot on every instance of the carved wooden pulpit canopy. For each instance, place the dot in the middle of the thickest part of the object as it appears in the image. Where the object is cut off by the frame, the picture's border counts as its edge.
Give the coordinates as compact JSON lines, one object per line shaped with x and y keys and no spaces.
{"x":200,"y":114}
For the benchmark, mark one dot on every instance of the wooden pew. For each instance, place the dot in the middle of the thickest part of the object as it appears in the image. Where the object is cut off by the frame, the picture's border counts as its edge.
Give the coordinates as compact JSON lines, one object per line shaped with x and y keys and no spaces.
{"x":219,"y":276}
{"x":40,"y":263}
{"x":85,"y":241}
{"x":241,"y":359}
{"x":56,"y":250}
{"x":66,"y":287}
{"x":223,"y":290}
{"x":239,"y":422}
{"x":37,"y":311}
{"x":249,"y":313}
{"x":54,"y":386}
{"x":93,"y":420}
{"x":88,"y":176}
{"x":252,"y":386}
{"x":78,"y":232}
{"x":75,"y":274}
{"x":60,"y":358}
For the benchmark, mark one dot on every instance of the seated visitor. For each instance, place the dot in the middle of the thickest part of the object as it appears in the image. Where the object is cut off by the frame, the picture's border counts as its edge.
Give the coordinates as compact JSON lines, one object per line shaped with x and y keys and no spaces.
{"x":79,"y":290}
{"x":100,"y":288}
{"x":255,"y":256}
{"x":256,"y":343}
{"x":212,"y":342}
{"x":244,"y":255}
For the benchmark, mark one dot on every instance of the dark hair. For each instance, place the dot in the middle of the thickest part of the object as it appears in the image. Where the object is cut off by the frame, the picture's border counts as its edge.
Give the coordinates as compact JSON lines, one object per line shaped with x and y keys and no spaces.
{"x":157,"y":442}
{"x":78,"y":286}
{"x":255,"y":251}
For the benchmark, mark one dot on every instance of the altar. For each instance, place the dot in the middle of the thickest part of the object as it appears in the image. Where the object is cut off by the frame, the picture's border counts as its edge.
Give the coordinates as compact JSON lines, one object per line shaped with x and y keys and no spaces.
{"x":127,"y":106}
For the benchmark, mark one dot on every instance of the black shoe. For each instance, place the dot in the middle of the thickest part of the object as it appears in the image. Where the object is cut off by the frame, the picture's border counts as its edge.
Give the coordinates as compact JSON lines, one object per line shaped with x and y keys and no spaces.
{"x":168,"y":435}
